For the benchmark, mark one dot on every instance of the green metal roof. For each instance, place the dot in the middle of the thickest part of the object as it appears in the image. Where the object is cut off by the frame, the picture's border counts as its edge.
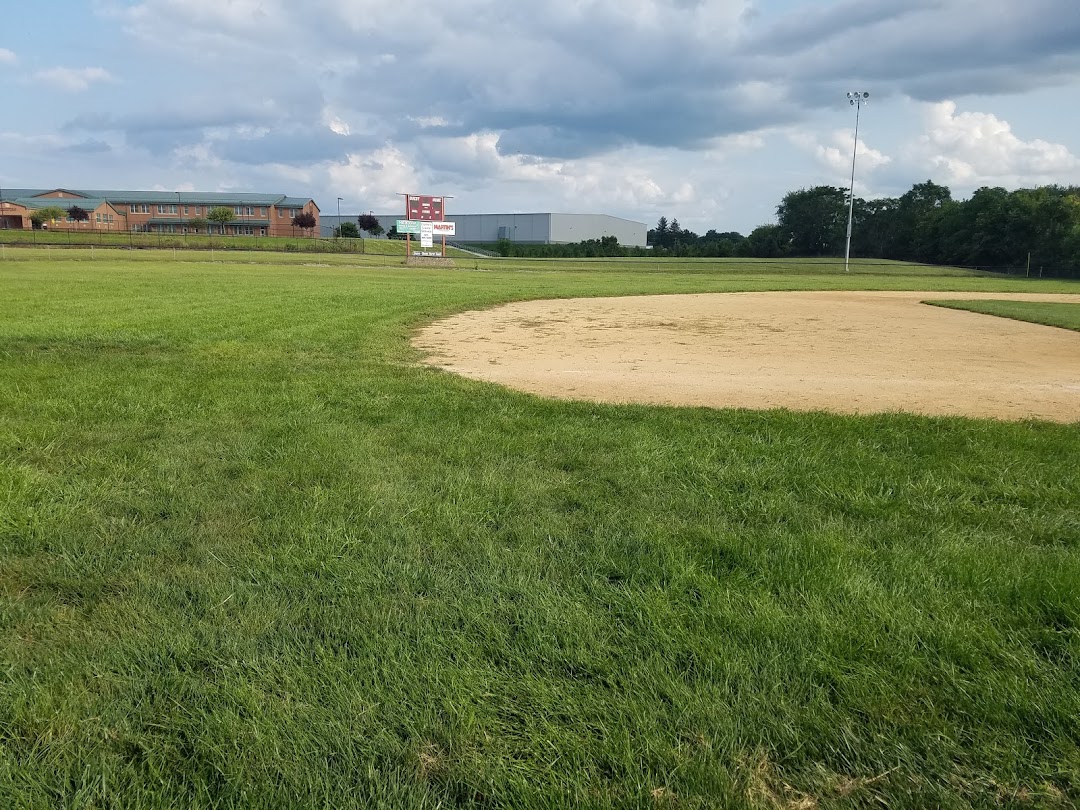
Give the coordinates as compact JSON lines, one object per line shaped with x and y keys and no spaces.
{"x":12,"y":194}
{"x":86,"y":203}
{"x":294,"y":202}
{"x":188,"y":197}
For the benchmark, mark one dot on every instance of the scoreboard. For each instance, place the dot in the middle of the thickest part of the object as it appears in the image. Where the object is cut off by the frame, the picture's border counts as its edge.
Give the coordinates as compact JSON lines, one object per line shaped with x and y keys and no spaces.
{"x":424,"y":208}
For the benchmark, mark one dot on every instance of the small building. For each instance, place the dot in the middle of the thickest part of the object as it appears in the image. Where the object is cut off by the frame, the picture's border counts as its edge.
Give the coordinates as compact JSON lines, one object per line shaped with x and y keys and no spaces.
{"x":160,"y":211}
{"x":543,"y":229}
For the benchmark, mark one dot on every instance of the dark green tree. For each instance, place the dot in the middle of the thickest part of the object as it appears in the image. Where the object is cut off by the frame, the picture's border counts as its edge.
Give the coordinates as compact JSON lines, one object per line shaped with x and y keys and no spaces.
{"x":765,"y":242}
{"x":914,"y":210}
{"x":659,"y":235}
{"x":814,"y":220}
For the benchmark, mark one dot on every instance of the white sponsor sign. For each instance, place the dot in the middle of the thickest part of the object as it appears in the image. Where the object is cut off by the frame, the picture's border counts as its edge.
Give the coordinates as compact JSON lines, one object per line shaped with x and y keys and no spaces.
{"x":444,"y":228}
{"x":428,"y":254}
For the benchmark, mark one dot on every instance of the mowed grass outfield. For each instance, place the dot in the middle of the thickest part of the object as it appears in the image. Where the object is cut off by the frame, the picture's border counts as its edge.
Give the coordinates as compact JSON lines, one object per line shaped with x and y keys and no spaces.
{"x":253,"y":554}
{"x":1067,"y":316}
{"x":16,"y":240}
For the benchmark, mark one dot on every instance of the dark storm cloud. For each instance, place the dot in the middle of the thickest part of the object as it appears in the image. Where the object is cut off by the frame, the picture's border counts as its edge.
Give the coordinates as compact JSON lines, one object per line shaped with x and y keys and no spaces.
{"x":613,"y":84}
{"x":566,"y":79}
{"x":816,"y":25}
{"x":973,"y":47}
{"x":303,"y":145}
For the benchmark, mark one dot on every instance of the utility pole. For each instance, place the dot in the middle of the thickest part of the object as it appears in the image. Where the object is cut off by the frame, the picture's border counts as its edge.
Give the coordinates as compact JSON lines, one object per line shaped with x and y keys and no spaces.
{"x":856,"y":100}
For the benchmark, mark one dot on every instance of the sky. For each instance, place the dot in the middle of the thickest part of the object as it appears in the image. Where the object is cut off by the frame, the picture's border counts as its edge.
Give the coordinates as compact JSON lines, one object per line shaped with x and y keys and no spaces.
{"x":706,"y":111}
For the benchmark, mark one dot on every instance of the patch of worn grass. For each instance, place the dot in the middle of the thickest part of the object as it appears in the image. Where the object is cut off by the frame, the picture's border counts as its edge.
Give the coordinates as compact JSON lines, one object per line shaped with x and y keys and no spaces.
{"x":253,"y":555}
{"x":1065,"y":315}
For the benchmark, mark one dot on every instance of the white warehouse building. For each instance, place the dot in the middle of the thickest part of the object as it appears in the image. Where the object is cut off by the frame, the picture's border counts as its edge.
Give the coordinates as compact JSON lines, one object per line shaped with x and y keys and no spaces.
{"x":544,"y":229}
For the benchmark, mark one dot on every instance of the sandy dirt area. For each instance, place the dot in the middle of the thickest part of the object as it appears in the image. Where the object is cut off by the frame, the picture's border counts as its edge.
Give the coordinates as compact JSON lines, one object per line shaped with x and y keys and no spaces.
{"x":850,"y":352}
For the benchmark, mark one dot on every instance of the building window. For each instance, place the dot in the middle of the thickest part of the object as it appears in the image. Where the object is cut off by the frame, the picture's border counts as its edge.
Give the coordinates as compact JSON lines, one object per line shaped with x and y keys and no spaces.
{"x":186,"y":212}
{"x":262,"y":212}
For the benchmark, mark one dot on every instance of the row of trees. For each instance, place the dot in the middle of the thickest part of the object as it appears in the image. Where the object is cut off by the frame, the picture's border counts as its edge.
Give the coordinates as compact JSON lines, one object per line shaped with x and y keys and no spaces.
{"x":672,"y":239}
{"x":994,"y":228}
{"x":586,"y":249}
{"x":364,"y":222}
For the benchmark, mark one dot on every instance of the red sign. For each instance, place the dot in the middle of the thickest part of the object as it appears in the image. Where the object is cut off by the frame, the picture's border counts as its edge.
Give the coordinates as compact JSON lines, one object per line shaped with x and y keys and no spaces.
{"x":424,"y":208}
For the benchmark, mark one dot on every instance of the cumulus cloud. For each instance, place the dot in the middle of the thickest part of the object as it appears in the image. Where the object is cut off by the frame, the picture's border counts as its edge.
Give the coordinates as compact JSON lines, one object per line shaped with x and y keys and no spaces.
{"x":565,"y":79}
{"x":7,"y":57}
{"x":377,"y":177}
{"x":976,"y":148}
{"x":74,"y":80}
{"x":835,"y":154}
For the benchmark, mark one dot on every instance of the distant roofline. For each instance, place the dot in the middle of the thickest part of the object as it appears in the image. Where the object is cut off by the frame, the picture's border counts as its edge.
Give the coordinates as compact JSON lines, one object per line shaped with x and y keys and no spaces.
{"x":523,"y":214}
{"x":150,"y":196}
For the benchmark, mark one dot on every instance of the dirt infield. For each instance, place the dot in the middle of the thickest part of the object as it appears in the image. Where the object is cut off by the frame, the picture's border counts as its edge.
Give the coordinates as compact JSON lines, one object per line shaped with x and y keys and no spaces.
{"x":850,"y":352}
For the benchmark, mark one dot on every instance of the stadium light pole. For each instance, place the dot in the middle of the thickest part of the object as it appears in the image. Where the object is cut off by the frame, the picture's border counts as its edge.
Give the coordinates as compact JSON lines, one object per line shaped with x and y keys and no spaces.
{"x":856,"y":100}
{"x":339,"y":199}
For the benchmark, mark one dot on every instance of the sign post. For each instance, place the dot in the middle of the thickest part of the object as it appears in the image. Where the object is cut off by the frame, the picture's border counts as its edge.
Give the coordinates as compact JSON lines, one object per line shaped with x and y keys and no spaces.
{"x":425,"y":216}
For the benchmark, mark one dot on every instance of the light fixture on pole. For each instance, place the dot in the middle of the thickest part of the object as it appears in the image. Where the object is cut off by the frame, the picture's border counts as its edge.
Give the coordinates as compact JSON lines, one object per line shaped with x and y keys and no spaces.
{"x":856,"y":100}
{"x":339,"y":199}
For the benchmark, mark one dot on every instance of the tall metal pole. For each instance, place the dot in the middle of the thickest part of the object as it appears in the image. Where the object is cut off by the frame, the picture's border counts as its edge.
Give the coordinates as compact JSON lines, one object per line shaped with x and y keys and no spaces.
{"x":339,"y":199}
{"x":856,"y":100}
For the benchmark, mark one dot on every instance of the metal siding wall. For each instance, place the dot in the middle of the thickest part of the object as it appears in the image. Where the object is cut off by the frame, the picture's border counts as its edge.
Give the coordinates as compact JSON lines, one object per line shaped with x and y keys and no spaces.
{"x":485,"y":227}
{"x":536,"y":228}
{"x":578,"y":227}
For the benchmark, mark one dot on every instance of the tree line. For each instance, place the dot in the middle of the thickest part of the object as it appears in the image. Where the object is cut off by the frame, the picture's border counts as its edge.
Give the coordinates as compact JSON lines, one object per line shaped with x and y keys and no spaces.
{"x":994,"y":228}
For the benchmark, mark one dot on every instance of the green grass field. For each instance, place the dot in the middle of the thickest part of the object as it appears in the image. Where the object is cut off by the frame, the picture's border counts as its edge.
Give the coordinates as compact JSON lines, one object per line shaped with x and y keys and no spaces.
{"x":229,"y":244}
{"x":1067,"y":316}
{"x":253,"y":554}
